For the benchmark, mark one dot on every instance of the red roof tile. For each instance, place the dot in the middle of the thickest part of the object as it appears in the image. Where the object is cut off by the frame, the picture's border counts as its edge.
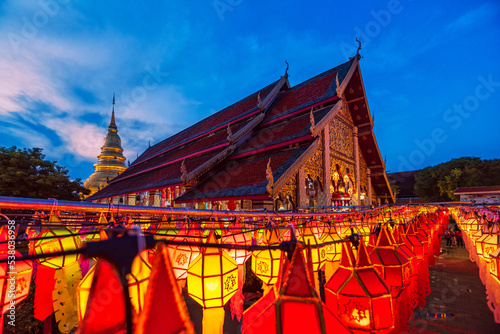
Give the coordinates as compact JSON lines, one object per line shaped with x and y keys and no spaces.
{"x":231,"y":113}
{"x":245,"y":176}
{"x":213,"y":142}
{"x":292,"y":128}
{"x":161,"y":177}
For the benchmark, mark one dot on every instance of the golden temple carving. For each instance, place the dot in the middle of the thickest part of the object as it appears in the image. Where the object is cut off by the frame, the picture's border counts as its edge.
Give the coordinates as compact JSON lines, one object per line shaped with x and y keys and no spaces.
{"x":314,"y":166}
{"x":363,"y":167}
{"x":314,"y":172}
{"x":288,"y":194}
{"x":341,"y":138}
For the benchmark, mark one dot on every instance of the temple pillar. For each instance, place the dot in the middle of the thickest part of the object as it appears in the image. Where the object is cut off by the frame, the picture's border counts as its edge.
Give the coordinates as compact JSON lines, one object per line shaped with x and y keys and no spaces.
{"x":301,"y":187}
{"x":157,"y":198}
{"x":131,"y":199}
{"x":327,"y":181}
{"x":356,"y":163}
{"x":369,"y":183}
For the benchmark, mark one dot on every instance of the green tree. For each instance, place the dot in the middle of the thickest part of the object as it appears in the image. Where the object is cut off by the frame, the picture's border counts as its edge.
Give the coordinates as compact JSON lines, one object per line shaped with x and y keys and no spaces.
{"x":394,"y":187}
{"x":438,"y":183}
{"x":25,"y":173}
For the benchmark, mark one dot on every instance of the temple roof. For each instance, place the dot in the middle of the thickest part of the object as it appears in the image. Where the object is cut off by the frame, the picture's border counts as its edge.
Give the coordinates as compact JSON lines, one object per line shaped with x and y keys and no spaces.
{"x":243,"y":177}
{"x":272,"y":123}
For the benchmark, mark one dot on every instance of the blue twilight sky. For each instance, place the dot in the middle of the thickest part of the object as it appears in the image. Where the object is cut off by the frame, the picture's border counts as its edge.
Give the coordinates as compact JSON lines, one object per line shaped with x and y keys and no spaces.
{"x":431,"y":70}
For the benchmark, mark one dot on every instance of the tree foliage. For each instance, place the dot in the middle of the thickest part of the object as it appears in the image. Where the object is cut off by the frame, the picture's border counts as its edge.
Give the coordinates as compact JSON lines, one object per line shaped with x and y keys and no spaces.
{"x":438,"y":183}
{"x":25,"y":173}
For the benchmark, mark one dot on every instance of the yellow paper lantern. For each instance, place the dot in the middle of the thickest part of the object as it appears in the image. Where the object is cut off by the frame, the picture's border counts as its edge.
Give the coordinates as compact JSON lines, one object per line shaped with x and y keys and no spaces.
{"x":495,"y":264}
{"x":64,"y":240}
{"x":83,"y":292}
{"x":94,"y":235}
{"x":318,"y":253}
{"x":166,"y":231}
{"x":266,"y":263}
{"x":333,"y":251}
{"x":489,"y":245}
{"x":212,"y":278}
{"x":138,"y":280}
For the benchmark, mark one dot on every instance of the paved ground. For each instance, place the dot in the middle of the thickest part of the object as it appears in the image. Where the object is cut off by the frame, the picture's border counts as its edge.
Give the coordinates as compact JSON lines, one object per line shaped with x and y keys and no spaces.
{"x":457,"y":303}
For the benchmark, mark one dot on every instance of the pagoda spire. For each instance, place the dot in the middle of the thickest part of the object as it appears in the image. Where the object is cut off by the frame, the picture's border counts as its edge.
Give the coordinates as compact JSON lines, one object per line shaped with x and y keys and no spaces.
{"x":112,"y":124}
{"x":111,"y":161}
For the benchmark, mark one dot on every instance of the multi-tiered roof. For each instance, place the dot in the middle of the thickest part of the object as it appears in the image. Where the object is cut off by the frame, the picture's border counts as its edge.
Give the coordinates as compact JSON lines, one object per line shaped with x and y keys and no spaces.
{"x":225,"y":155}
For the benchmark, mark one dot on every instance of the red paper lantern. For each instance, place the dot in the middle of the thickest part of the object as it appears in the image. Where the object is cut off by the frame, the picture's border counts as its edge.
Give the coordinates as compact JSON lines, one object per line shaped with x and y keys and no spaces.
{"x":358,"y":295}
{"x":15,"y":282}
{"x":390,"y":263}
{"x":292,"y":307}
{"x":402,"y":248}
{"x":395,"y":268}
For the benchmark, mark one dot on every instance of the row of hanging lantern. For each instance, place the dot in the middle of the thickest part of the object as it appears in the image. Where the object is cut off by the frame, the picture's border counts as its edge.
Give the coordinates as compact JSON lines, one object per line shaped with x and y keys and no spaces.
{"x":481,"y":235}
{"x":389,"y":274}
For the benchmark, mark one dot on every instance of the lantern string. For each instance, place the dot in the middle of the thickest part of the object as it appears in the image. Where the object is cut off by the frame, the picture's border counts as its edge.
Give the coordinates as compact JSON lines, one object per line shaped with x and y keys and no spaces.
{"x":283,"y":246}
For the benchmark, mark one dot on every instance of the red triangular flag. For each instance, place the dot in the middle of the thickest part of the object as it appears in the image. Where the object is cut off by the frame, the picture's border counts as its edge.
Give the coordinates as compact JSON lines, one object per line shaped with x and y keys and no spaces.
{"x":165,"y":310}
{"x":347,"y":257}
{"x":297,"y":278}
{"x":106,"y":305}
{"x":384,"y":239}
{"x":363,"y":259}
{"x":45,"y":282}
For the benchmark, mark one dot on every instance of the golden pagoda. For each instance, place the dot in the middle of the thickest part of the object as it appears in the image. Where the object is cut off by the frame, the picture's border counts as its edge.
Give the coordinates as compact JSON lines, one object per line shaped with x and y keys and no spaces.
{"x":111,"y":160}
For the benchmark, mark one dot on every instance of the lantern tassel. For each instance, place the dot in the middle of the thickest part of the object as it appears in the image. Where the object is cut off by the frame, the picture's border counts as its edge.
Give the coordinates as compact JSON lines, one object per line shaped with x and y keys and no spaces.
{"x":213,"y":320}
{"x":64,"y":296}
{"x":238,"y":299}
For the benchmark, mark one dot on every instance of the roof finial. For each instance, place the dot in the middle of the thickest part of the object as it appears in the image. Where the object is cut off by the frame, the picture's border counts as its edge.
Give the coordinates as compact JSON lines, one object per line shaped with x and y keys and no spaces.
{"x":359,"y":48}
{"x":269,"y":178}
{"x":183,"y":172}
{"x":313,"y":124}
{"x":112,"y":124}
{"x":287,"y":67}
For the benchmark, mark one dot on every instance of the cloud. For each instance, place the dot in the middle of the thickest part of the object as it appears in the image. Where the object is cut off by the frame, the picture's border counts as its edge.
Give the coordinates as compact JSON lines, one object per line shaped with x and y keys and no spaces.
{"x":52,"y":80}
{"x":81,"y":139}
{"x":484,"y":12}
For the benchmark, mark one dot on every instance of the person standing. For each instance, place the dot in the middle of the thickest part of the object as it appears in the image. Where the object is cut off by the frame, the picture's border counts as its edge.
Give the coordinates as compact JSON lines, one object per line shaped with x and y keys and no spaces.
{"x":447,"y":235}
{"x":460,"y":240}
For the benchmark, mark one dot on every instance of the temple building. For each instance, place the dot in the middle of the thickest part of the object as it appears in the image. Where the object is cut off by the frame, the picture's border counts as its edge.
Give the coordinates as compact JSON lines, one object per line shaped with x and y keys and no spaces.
{"x":111,"y":161}
{"x":282,"y":147}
